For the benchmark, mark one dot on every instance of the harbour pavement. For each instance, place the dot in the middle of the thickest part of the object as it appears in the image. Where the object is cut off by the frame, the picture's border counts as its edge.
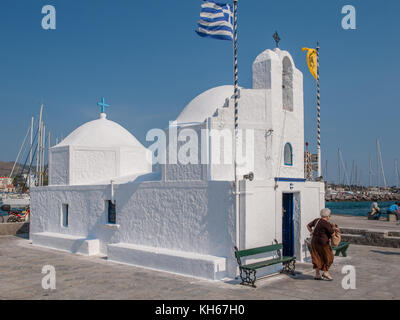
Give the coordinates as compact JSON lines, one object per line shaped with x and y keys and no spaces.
{"x":377,"y":272}
{"x":360,"y":230}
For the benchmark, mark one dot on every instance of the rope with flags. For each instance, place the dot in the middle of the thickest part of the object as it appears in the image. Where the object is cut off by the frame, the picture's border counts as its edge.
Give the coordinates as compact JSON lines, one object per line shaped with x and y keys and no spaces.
{"x":318,"y":119}
{"x":313,"y":65}
{"x":219,"y":22}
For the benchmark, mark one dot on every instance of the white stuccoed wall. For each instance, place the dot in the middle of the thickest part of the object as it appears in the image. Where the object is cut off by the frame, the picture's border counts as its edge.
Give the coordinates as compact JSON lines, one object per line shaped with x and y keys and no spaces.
{"x":262,"y":223}
{"x":191,"y":216}
{"x":59,"y":173}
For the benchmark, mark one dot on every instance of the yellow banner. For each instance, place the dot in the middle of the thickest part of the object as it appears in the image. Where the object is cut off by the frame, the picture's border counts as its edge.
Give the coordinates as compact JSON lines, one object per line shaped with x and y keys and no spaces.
{"x":312,"y":61}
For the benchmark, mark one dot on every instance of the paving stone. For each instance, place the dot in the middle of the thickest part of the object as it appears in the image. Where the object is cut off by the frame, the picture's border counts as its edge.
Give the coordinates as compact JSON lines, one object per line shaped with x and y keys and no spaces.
{"x":81,"y":277}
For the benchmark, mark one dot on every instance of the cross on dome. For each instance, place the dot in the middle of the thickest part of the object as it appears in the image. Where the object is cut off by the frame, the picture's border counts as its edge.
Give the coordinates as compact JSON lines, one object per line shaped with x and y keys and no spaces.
{"x":102,"y":104}
{"x":276,"y":38}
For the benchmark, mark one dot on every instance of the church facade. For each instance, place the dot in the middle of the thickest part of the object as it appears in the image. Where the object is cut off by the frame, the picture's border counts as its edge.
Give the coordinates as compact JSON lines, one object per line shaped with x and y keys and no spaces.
{"x":106,"y":197}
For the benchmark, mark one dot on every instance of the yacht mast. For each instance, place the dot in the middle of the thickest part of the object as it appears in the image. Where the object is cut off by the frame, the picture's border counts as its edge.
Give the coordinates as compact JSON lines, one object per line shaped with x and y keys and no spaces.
{"x":370,"y":171}
{"x":19,"y":153}
{"x":48,"y":156}
{"x":381,"y":162}
{"x":339,"y":167}
{"x":30,"y":155}
{"x":38,"y":146}
{"x":42,"y":154}
{"x":344,"y":168}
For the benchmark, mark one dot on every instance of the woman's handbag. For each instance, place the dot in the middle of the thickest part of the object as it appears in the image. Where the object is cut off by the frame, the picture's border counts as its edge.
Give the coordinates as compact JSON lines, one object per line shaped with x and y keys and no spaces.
{"x":309,"y":239}
{"x":336,"y":237}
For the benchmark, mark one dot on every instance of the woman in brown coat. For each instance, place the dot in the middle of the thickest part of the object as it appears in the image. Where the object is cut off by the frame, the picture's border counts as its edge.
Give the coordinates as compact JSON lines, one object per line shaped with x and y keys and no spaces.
{"x":321,"y":253}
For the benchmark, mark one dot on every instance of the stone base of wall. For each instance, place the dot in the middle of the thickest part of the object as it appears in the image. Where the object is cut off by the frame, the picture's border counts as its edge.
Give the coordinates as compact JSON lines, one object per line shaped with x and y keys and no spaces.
{"x":184,"y":263}
{"x":14,"y":228}
{"x":65,"y":242}
{"x":371,"y":238}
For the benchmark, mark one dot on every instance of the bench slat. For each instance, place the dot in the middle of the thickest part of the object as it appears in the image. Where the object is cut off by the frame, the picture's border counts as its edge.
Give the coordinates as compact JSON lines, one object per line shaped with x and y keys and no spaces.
{"x":267,"y":263}
{"x":254,"y":251}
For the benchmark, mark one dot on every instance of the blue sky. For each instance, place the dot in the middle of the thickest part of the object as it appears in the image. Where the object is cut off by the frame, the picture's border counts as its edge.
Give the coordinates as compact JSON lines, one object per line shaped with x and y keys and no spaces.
{"x":146,"y":60}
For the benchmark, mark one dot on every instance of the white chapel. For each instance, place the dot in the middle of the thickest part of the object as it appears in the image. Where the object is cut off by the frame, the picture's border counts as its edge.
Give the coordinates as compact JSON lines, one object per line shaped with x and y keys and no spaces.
{"x":106,"y":197}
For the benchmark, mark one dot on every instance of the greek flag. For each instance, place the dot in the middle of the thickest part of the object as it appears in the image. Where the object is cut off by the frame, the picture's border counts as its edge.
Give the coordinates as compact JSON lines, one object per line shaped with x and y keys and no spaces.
{"x":216,"y":21}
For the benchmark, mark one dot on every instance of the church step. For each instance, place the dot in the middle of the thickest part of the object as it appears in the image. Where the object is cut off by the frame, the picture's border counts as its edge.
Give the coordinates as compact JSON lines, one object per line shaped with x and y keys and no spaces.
{"x":186,"y":263}
{"x":65,"y":242}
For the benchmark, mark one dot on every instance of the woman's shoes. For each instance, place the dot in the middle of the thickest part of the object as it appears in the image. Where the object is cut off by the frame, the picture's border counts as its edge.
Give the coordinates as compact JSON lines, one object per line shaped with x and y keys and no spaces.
{"x":327,"y":278}
{"x":318,"y":278}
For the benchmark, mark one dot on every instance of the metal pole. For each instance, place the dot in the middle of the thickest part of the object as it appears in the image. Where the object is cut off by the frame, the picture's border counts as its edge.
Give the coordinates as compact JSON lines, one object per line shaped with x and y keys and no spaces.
{"x":236,"y":98}
{"x":318,"y":118}
{"x":381,"y":161}
{"x":339,"y":175}
{"x":48,"y":157}
{"x":326,"y":170}
{"x":377,"y":165}
{"x":38,"y":146}
{"x":30,"y":155}
{"x":42,"y":159}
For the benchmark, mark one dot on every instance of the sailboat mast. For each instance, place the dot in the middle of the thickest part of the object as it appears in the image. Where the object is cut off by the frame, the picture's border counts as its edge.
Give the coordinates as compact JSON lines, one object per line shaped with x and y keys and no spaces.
{"x":326,"y":170}
{"x":339,"y":167}
{"x":344,"y":165}
{"x":356,"y":175}
{"x":381,"y":162}
{"x":370,"y":171}
{"x":48,"y":156}
{"x":377,"y":164}
{"x":43,"y":154}
{"x":38,"y":145}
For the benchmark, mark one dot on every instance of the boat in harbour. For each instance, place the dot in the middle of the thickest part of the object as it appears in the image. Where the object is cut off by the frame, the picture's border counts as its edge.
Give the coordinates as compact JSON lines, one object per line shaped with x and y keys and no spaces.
{"x":16,"y":201}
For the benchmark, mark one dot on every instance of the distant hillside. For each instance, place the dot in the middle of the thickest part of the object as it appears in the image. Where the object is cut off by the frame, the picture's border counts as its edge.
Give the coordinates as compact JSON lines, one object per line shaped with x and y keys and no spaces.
{"x":6,"y":167}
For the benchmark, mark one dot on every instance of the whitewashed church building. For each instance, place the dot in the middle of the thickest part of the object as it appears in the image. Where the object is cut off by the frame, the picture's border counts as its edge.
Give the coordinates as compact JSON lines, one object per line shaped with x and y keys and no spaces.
{"x":106,"y":197}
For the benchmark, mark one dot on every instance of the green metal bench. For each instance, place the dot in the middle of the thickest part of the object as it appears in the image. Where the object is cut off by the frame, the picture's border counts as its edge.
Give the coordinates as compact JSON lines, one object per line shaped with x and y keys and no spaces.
{"x":248,"y":271}
{"x":341,"y":248}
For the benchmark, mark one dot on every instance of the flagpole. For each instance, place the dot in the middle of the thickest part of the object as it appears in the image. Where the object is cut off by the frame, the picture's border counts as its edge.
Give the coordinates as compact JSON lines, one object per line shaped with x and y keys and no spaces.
{"x":318,"y":119}
{"x":236,"y":98}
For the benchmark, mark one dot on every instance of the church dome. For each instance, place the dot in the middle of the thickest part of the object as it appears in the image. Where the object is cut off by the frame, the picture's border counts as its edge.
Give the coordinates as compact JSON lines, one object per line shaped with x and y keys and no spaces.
{"x":96,"y":153}
{"x":205,"y":105}
{"x":100,"y":133}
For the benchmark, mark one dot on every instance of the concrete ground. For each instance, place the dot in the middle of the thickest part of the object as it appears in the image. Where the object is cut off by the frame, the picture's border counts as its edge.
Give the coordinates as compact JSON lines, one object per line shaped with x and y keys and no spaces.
{"x":363,"y":223}
{"x":80,"y":277}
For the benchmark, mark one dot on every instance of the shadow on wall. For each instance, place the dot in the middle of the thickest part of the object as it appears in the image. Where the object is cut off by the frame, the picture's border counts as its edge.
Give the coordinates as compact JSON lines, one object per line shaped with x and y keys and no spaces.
{"x":220,"y":223}
{"x":297,"y":225}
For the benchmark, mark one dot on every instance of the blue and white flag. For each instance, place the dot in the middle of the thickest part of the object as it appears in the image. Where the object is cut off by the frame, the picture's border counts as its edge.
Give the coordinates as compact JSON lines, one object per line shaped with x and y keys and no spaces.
{"x":216,"y":21}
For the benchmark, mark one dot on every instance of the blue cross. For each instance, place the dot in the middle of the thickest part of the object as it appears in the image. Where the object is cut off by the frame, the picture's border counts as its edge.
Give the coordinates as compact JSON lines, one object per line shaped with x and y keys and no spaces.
{"x":102,"y":104}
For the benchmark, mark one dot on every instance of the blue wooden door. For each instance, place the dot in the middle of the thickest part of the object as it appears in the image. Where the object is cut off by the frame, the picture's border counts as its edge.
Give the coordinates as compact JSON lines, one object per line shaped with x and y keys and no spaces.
{"x":287,"y":225}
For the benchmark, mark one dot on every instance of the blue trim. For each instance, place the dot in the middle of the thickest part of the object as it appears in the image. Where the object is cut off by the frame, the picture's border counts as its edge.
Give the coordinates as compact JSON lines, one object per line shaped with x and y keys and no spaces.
{"x":290,"y":179}
{"x":291,"y":154}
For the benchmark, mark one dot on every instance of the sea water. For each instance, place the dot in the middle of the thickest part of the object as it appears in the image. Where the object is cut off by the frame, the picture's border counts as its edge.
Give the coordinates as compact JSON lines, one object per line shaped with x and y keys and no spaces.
{"x":356,"y":208}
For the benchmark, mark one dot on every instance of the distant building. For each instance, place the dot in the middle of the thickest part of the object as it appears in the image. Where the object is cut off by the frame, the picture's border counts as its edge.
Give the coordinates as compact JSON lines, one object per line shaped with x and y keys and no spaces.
{"x":9,"y":188}
{"x":4,"y":183}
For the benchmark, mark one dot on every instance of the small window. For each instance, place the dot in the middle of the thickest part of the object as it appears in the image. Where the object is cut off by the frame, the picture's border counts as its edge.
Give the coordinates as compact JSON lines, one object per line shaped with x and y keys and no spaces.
{"x":111,"y":213}
{"x":288,"y":154}
{"x":64,"y":214}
